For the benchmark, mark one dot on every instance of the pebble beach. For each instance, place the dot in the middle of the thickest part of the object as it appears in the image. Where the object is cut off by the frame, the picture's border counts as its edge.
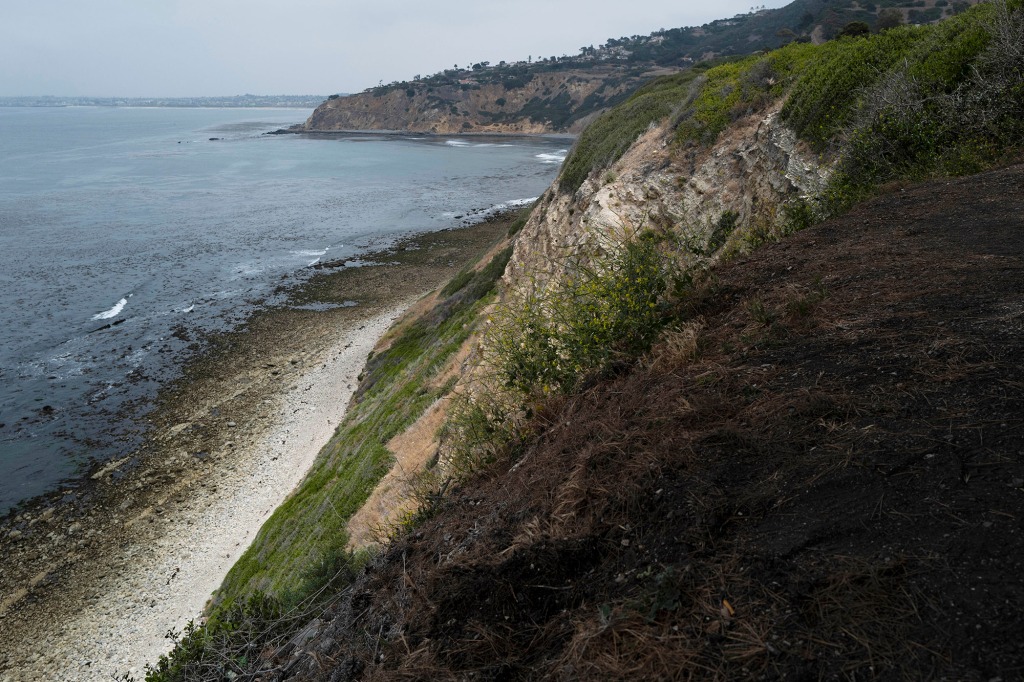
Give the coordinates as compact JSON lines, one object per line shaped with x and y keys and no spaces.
{"x":92,"y":585}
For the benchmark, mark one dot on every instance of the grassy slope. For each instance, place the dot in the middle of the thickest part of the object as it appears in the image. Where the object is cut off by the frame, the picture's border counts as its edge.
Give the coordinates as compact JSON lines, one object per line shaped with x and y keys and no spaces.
{"x":307,"y":532}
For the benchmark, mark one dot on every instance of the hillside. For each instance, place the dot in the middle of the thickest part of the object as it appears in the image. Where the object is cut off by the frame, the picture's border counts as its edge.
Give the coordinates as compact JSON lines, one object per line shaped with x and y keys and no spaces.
{"x":744,"y":402}
{"x":819,"y":475}
{"x":560,"y":94}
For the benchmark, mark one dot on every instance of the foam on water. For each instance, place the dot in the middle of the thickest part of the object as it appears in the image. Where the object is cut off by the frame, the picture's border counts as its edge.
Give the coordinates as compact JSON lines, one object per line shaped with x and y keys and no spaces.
{"x":553,"y":157}
{"x":112,"y":312}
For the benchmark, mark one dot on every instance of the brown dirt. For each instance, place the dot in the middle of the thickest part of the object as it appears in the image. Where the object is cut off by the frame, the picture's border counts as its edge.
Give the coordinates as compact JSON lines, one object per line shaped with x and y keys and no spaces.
{"x":394,"y":497}
{"x":820,"y":475}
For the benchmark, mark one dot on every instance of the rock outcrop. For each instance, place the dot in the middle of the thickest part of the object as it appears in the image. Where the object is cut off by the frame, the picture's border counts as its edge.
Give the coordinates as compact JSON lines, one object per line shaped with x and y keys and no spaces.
{"x":555,"y":102}
{"x":748,"y":175}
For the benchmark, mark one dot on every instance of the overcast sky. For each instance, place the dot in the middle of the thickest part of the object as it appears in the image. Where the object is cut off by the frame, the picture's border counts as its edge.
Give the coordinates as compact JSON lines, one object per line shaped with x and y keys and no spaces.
{"x":172,"y":48}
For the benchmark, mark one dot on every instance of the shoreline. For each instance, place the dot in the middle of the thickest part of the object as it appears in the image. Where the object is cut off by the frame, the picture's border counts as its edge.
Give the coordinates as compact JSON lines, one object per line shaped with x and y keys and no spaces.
{"x":100,"y":583}
{"x":409,"y":133}
{"x":170,"y":582}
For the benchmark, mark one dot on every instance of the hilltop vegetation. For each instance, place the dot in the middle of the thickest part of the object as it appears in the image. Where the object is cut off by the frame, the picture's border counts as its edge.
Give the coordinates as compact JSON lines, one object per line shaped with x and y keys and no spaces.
{"x":692,"y":455}
{"x":562,"y":93}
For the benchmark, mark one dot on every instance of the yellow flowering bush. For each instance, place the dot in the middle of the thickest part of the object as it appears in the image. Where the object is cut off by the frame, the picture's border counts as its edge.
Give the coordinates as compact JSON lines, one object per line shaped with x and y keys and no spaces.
{"x":602,"y":311}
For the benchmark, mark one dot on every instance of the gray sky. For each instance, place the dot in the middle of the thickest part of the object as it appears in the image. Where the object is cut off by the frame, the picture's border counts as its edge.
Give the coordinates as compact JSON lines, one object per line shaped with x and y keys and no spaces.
{"x":176,"y":48}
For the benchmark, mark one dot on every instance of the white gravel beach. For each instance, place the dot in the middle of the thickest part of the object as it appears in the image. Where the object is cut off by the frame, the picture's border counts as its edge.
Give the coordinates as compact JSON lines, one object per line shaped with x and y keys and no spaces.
{"x":154,"y":587}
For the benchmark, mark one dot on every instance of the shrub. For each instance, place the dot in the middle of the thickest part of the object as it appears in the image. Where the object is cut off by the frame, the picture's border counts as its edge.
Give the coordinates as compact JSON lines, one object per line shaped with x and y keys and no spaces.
{"x":855,"y":29}
{"x":953,"y":105}
{"x":606,"y":139}
{"x":823,"y":98}
{"x":736,"y":89}
{"x":548,"y":340}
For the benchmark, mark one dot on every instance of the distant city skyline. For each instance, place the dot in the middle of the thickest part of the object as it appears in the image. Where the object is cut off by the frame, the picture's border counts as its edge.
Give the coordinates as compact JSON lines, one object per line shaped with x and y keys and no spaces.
{"x":193,"y":48}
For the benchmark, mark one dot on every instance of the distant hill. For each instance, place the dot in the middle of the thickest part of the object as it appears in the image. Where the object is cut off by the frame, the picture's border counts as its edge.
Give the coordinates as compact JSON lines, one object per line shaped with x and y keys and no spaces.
{"x":550,"y":94}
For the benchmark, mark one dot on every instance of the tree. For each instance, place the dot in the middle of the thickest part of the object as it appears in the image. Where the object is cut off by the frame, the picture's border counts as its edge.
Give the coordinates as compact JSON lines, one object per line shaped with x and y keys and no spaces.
{"x":855,"y":29}
{"x":890,"y":17}
{"x":785,"y":34}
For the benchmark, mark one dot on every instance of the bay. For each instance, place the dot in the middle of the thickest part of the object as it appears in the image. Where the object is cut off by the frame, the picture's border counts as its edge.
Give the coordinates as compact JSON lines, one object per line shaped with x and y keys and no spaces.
{"x":126,"y":234}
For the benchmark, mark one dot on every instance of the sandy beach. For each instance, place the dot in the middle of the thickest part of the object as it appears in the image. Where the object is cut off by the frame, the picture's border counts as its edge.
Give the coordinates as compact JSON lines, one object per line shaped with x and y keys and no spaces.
{"x":90,"y":586}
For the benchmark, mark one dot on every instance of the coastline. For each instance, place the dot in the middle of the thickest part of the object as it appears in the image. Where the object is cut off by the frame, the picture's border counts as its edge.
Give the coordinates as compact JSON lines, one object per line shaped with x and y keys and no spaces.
{"x":89,"y":590}
{"x":387,"y":132}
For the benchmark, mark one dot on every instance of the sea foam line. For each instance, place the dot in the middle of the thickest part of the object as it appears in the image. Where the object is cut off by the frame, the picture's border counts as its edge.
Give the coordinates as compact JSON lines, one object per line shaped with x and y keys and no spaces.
{"x":553,"y":157}
{"x":113,"y":312}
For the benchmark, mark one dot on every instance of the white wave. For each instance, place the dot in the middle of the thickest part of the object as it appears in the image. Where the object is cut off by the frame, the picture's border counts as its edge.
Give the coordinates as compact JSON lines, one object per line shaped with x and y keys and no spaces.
{"x":515,"y":203}
{"x":311,"y":253}
{"x":457,"y":143}
{"x":249,"y":269}
{"x":112,"y":312}
{"x":312,"y":262}
{"x":553,"y":157}
{"x":189,"y":309}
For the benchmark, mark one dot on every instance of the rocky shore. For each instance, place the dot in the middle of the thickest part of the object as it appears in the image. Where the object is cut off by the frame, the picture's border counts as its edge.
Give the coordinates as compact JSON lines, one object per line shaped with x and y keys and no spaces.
{"x":93,"y":577}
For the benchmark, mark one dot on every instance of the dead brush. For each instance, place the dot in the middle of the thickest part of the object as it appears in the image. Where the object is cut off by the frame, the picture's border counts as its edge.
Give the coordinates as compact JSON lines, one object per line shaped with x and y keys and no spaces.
{"x":679,"y":346}
{"x":631,"y":648}
{"x":803,"y":301}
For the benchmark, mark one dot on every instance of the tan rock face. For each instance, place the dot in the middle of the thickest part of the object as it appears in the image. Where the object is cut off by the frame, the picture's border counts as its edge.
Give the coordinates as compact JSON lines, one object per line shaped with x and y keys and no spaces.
{"x":538,"y":107}
{"x":754,"y":168}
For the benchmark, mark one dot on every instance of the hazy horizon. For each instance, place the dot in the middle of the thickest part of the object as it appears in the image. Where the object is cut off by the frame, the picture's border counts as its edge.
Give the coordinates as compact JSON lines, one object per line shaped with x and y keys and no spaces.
{"x":222,"y":48}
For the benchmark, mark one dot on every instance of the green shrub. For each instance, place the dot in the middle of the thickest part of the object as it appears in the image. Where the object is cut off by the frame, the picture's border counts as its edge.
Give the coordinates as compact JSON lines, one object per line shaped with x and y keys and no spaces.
{"x":738,"y":88}
{"x":457,"y":282}
{"x":606,"y":139}
{"x":823,"y":99}
{"x":611,"y":310}
{"x":224,"y":647}
{"x":520,"y":222}
{"x":954,"y":105}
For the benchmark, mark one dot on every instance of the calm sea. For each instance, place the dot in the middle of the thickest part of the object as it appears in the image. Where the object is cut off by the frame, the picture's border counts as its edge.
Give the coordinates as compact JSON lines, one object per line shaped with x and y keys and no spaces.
{"x":119,"y":226}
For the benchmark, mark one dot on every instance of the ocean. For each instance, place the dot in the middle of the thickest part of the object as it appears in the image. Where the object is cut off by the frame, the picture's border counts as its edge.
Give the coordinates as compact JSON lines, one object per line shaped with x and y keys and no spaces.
{"x":126,"y":233}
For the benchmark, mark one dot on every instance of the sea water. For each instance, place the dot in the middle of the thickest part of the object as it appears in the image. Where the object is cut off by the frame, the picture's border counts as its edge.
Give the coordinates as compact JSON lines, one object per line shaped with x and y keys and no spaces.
{"x":125,"y":232}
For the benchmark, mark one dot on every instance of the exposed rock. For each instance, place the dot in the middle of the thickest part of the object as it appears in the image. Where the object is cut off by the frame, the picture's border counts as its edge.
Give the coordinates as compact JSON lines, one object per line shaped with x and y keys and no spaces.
{"x":757,"y":166}
{"x":548,"y":103}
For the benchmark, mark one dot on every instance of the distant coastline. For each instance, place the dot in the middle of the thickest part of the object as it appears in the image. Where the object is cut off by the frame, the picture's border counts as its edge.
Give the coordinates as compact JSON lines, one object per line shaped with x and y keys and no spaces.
{"x":232,"y":101}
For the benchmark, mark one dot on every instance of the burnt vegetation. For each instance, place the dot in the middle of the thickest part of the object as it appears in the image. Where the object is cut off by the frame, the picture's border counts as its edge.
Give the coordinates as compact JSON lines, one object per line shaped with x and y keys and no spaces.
{"x":817,"y":473}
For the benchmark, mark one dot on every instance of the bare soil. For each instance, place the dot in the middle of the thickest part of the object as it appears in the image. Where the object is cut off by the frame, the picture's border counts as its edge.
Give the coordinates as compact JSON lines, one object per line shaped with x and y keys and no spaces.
{"x":818,"y":475}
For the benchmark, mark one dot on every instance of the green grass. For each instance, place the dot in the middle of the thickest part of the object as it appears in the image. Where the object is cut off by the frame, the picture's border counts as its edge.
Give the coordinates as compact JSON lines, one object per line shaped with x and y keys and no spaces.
{"x":395,"y":390}
{"x":606,"y":139}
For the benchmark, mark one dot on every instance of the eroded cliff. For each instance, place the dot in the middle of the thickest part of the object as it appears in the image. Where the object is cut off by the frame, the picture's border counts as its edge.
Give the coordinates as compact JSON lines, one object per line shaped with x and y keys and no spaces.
{"x":552,"y":102}
{"x":753,"y":169}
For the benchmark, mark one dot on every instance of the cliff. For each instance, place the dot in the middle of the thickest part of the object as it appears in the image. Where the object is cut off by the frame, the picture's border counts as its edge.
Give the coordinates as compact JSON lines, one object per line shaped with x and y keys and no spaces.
{"x":747,"y":176}
{"x":540,"y":103}
{"x":724,"y":416}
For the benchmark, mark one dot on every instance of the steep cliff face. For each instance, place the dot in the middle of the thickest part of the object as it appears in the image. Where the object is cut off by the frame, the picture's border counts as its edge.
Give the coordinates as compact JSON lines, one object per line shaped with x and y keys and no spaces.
{"x":747,"y":176}
{"x":548,"y":103}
